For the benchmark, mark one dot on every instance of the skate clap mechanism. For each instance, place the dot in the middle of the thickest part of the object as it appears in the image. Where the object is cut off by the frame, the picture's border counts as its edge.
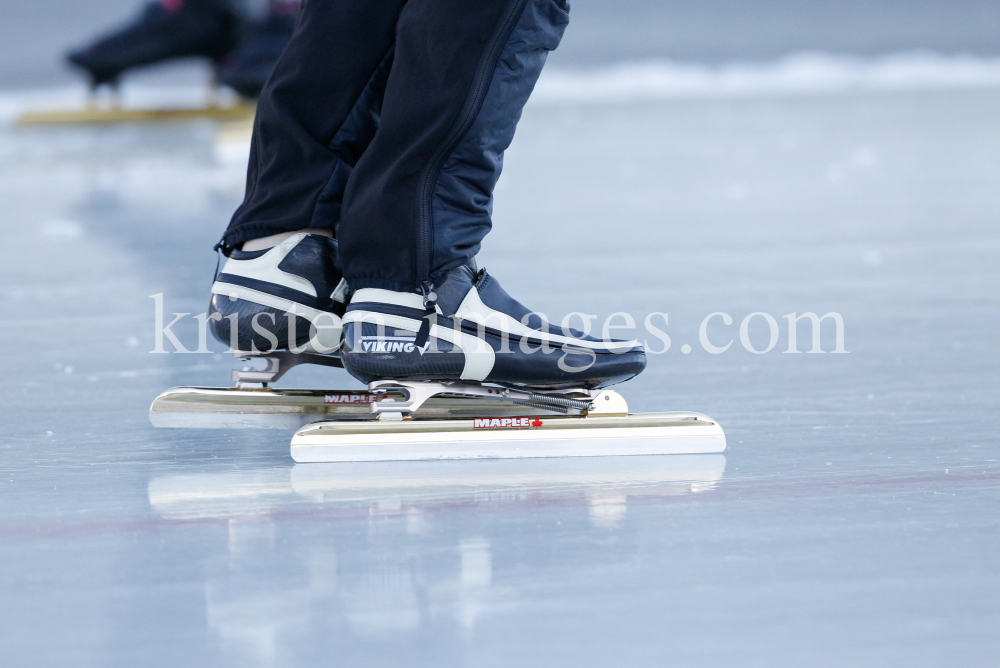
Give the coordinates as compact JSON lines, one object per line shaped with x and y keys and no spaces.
{"x":406,"y":420}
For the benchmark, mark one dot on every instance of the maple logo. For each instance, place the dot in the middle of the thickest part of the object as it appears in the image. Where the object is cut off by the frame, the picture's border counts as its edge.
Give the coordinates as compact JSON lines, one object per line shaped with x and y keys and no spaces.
{"x":505,"y":423}
{"x":350,"y":398}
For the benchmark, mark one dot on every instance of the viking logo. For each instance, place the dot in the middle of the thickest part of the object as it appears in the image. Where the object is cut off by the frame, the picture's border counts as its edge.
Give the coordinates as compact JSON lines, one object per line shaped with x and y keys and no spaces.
{"x":387,"y":344}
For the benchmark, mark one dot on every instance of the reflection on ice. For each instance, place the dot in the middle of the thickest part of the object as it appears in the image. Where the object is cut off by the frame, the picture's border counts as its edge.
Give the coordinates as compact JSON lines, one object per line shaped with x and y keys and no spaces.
{"x":417,"y":566}
{"x":607,"y":510}
{"x":391,"y":488}
{"x":476,"y":577}
{"x":503,"y":480}
{"x":220,"y":494}
{"x":605,"y":482}
{"x":249,"y":630}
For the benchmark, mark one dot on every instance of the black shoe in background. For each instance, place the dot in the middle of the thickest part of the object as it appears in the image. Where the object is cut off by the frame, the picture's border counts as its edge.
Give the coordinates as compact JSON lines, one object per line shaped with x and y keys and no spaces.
{"x":247,"y":68}
{"x":165,"y":30}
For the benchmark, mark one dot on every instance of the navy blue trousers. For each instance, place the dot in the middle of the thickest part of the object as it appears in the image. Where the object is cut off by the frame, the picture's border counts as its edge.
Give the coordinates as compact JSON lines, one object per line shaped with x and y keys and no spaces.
{"x":386,"y":122}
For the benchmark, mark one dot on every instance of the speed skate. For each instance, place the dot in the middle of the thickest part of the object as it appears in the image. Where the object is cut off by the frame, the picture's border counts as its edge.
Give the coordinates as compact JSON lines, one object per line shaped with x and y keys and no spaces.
{"x":458,"y":371}
{"x":418,"y":420}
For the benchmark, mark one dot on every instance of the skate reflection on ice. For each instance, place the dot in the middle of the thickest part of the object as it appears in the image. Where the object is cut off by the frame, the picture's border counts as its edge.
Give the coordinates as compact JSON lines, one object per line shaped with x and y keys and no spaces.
{"x":476,"y":576}
{"x":607,"y":510}
{"x":232,"y":494}
{"x":605,"y":482}
{"x":391,"y":488}
{"x":388,"y":550}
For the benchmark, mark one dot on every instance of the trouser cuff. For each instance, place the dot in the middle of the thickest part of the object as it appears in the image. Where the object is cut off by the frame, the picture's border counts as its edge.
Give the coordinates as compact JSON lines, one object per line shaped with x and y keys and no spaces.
{"x":234,"y":237}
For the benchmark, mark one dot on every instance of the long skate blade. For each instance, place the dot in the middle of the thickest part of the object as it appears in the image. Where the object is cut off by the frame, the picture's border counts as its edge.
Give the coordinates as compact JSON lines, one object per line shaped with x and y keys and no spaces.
{"x":267,"y":408}
{"x":230,"y":408}
{"x":493,"y":438}
{"x":110,"y":115}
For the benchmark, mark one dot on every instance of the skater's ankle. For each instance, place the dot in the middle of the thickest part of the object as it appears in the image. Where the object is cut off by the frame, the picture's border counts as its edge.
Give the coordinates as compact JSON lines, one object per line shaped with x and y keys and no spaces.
{"x":270,"y":242}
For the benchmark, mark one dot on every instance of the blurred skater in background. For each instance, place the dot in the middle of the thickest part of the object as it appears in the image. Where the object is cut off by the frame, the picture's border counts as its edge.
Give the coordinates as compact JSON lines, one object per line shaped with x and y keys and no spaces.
{"x":242,"y":38}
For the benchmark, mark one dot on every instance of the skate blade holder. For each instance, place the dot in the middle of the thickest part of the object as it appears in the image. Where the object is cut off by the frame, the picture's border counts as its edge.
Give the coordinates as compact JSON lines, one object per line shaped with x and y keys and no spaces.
{"x":278,"y":364}
{"x":580,"y":402}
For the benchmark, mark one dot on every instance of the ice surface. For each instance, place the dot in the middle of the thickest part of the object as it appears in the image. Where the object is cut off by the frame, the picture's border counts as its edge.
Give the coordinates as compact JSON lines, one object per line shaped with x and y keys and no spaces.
{"x":852,"y":521}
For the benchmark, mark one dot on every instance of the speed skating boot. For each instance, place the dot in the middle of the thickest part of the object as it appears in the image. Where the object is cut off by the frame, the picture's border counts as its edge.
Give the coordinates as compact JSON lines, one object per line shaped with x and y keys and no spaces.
{"x":289,"y":297}
{"x":468,"y":328}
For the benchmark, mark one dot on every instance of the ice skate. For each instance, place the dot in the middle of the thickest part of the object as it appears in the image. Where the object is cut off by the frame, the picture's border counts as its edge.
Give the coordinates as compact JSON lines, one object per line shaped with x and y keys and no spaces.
{"x":467,"y":340}
{"x":165,"y":30}
{"x":467,"y":401}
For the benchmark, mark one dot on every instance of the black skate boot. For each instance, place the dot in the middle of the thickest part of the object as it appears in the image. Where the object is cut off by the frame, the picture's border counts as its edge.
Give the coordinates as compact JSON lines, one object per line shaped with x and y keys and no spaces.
{"x":469,"y":329}
{"x":247,"y":68}
{"x":290,"y":297}
{"x":165,"y":30}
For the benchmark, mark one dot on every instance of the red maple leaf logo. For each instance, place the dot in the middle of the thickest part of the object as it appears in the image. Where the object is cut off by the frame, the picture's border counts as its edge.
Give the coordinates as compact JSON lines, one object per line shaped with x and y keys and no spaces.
{"x":536,"y":423}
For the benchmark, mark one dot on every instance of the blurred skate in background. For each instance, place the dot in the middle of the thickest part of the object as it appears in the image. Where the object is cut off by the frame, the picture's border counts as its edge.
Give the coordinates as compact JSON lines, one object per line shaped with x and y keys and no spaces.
{"x":241,"y":39}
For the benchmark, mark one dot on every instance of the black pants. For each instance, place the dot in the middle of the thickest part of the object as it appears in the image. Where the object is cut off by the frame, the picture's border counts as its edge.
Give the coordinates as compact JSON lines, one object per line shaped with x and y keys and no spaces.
{"x":386,"y":121}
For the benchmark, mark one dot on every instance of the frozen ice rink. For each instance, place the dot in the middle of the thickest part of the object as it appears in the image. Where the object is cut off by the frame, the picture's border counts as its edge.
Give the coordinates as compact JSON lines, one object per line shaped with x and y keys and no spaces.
{"x":852,"y":521}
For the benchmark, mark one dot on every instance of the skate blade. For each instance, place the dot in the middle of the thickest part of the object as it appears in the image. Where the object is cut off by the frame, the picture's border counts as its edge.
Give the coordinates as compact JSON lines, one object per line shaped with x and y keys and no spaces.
{"x":110,"y":115}
{"x":511,"y":438}
{"x":269,"y":408}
